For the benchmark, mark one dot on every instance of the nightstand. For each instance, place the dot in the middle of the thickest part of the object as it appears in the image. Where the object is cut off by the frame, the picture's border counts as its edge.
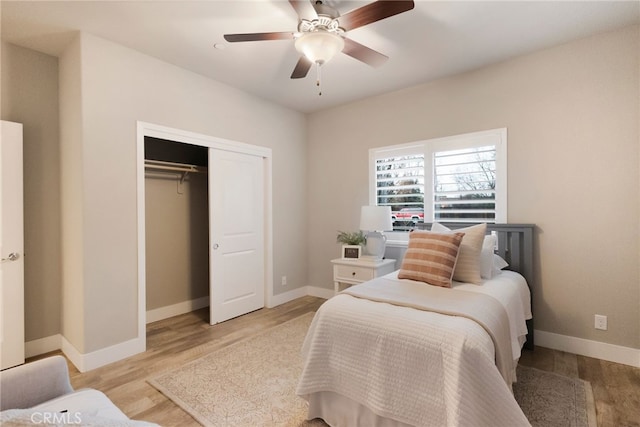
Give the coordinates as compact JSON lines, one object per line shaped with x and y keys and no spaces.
{"x":349,"y":272}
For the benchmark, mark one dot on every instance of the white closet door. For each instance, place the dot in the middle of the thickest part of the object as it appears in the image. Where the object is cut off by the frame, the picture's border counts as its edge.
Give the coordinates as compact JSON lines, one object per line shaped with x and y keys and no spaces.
{"x":11,"y":247}
{"x":237,"y":234}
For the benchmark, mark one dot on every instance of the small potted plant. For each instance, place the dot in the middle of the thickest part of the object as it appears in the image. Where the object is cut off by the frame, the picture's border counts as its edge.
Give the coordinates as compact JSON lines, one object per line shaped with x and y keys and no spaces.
{"x":352,"y":242}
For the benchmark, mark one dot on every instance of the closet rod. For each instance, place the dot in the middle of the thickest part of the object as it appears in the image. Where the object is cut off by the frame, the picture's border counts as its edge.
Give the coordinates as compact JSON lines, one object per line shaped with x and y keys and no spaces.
{"x":170,"y":166}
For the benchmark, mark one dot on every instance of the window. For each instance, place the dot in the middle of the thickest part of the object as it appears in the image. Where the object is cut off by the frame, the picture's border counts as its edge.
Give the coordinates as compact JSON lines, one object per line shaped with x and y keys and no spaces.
{"x":455,"y":179}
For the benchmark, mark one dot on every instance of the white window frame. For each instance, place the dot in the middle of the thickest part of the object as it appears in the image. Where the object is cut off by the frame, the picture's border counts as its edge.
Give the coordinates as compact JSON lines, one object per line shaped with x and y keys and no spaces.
{"x":496,"y":137}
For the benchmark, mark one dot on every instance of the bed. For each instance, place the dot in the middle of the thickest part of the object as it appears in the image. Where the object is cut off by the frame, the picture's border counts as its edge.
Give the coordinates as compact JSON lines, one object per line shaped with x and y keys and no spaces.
{"x":398,"y":352}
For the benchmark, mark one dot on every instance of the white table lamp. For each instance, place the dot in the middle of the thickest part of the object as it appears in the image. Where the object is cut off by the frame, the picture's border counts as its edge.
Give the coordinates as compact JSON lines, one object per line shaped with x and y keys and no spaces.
{"x":375,"y":220}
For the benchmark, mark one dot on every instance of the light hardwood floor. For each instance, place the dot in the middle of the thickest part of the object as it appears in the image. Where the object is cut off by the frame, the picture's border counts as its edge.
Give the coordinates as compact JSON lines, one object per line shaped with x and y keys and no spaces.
{"x":181,"y":339}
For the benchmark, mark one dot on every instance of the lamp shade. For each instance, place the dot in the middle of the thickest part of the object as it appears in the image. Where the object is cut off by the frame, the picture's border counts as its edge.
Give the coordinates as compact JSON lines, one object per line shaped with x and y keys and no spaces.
{"x":376,"y":218}
{"x":319,"y":46}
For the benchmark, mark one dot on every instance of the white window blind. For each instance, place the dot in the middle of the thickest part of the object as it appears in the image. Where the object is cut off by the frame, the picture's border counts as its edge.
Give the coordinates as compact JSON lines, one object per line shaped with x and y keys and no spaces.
{"x":464,"y":185}
{"x":400,"y":185}
{"x":400,"y":181}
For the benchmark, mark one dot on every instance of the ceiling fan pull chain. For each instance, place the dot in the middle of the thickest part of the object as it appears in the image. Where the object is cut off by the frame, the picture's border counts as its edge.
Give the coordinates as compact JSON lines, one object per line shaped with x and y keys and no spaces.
{"x":318,"y":78}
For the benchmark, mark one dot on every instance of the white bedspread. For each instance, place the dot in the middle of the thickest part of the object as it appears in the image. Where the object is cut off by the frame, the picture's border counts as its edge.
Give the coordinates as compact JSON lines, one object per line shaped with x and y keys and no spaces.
{"x":483,"y":309}
{"x":417,"y":367}
{"x":511,"y":289}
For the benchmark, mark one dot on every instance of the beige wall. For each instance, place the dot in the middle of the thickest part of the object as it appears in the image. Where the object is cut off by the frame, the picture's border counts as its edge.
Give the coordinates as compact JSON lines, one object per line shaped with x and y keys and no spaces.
{"x":72,"y":181}
{"x":120,"y":86}
{"x":572,"y":118}
{"x":30,"y":96}
{"x":177,"y":239}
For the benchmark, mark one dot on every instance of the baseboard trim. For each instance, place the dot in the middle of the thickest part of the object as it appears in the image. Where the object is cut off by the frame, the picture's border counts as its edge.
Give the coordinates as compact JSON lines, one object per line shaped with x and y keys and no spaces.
{"x":599,"y":350}
{"x":301,"y":292}
{"x":315,"y":291}
{"x":162,"y":313}
{"x":288,"y":296}
{"x":88,"y":361}
{"x":43,"y":345}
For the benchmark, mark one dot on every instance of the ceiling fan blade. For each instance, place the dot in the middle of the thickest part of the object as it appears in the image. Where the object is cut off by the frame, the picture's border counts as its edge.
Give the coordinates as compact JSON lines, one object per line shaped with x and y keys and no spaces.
{"x":302,"y":68}
{"x":373,"y":12}
{"x":363,"y":53}
{"x":252,"y":37}
{"x":304,"y":9}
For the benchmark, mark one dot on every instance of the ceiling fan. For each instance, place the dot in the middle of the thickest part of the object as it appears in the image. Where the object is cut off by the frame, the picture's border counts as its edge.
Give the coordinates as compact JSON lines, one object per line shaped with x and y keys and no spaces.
{"x":322,"y":32}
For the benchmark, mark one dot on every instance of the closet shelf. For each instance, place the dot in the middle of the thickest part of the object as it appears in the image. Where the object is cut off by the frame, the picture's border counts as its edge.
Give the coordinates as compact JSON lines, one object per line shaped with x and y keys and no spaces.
{"x":169,"y":167}
{"x":157,"y":165}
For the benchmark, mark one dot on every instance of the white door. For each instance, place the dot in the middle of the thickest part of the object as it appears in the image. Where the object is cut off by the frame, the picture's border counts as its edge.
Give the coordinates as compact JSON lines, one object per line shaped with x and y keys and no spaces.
{"x":236,"y":234}
{"x":11,"y":247}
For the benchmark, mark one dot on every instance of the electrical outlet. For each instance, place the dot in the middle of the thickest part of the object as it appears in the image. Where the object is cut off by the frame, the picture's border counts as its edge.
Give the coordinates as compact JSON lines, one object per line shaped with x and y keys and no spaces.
{"x":601,"y":322}
{"x":284,"y":281}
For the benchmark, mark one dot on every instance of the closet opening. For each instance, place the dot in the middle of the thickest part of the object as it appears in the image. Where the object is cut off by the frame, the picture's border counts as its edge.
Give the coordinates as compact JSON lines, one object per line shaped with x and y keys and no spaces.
{"x":176,"y":227}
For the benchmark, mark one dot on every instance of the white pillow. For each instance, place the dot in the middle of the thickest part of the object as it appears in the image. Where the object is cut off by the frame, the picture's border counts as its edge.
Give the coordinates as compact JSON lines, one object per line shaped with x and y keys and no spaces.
{"x":486,"y":257}
{"x":468,"y":264}
{"x":498,"y":264}
{"x":490,"y":263}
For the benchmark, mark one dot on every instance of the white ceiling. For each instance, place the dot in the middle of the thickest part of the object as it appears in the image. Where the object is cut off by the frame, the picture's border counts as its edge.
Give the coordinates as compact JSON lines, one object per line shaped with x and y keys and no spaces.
{"x":435,"y":39}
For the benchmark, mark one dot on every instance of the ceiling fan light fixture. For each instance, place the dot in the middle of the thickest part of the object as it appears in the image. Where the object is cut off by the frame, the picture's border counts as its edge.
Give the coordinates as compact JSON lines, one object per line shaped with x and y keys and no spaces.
{"x":319,"y":46}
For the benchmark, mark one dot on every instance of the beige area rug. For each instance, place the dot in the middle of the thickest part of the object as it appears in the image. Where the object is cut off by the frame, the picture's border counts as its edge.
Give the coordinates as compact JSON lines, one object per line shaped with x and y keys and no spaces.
{"x":253,"y":382}
{"x":249,"y":383}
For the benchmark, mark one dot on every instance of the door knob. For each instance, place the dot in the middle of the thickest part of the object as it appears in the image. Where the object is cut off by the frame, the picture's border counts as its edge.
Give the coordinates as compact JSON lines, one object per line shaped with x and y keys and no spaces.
{"x":13,"y":256}
{"x":215,"y":246}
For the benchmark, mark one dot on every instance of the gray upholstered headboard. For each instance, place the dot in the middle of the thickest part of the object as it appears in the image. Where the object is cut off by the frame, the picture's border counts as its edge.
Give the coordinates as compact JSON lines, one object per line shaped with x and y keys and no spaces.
{"x":515,"y":245}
